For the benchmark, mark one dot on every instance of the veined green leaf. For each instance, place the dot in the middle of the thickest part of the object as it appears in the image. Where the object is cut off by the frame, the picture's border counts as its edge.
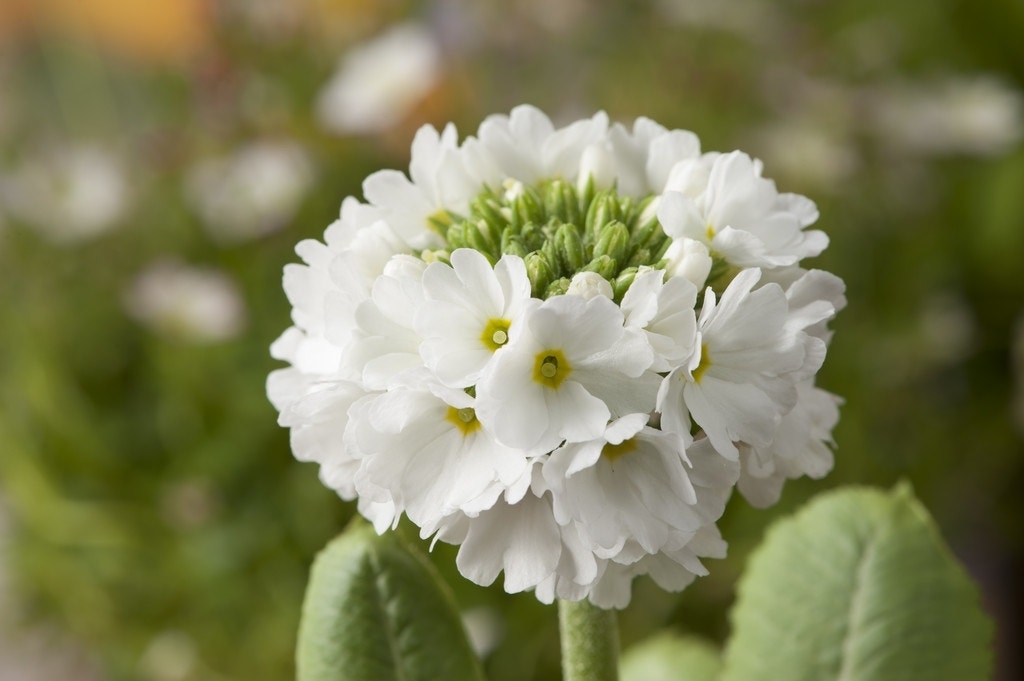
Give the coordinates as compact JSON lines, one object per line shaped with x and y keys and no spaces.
{"x":376,"y":609}
{"x":857,"y":586}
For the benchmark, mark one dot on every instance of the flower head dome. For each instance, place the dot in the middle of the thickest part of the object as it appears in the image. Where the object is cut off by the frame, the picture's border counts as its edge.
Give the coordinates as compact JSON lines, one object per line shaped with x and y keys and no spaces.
{"x":561,"y":349}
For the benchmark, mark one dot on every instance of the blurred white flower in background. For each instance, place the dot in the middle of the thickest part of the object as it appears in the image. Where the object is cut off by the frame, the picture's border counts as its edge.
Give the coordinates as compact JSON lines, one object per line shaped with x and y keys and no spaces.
{"x":809,"y":152}
{"x":974,"y":115}
{"x":71,"y":194}
{"x":757,"y":21}
{"x":252,"y":192}
{"x":379,"y":82}
{"x":187,"y":303}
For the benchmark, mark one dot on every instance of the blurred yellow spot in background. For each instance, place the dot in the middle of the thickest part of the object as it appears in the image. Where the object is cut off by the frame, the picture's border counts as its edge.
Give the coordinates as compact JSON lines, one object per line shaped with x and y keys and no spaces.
{"x":150,"y":30}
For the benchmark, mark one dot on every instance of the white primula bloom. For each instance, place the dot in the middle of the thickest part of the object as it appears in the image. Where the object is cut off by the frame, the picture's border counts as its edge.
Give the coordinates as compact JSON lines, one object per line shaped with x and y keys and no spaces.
{"x":665,"y":313}
{"x":469,"y":311}
{"x":802,"y":446}
{"x":385,"y":345}
{"x":568,"y":367}
{"x":689,"y":259}
{"x":527,"y":147}
{"x":426,"y":452}
{"x":252,"y":192}
{"x":739,"y":389}
{"x":645,"y":156}
{"x":629,"y":484}
{"x":379,"y":82}
{"x":739,"y":215}
{"x":438,"y":182}
{"x":510,"y":346}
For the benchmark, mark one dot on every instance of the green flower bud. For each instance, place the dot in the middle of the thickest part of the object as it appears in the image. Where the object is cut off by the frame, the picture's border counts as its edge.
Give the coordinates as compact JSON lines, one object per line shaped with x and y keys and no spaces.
{"x":558,"y":287}
{"x":603,"y":265}
{"x":641,"y":256}
{"x":476,"y":239}
{"x":512,"y":243}
{"x":550,"y":252}
{"x":539,"y":273}
{"x":526,"y":208}
{"x":622,"y":282}
{"x":613,"y":241}
{"x":569,"y":245}
{"x":456,"y":236}
{"x":489,"y":210}
{"x":603,"y":209}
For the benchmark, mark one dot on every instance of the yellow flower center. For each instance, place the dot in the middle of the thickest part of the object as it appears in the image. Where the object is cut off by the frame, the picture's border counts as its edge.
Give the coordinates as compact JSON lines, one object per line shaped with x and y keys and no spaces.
{"x":705,"y":362}
{"x":613,"y":452}
{"x":550,"y":368}
{"x":495,"y":334}
{"x":464,"y":419}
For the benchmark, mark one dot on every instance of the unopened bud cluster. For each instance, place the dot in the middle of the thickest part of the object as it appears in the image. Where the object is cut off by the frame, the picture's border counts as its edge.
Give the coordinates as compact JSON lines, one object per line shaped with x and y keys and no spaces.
{"x":559,"y":232}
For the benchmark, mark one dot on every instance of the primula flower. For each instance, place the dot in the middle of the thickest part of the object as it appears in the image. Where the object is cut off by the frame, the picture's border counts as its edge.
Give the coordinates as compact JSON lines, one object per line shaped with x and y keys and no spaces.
{"x":561,"y":348}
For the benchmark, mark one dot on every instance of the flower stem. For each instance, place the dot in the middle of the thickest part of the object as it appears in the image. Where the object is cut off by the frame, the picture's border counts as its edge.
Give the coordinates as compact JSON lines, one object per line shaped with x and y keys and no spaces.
{"x":590,"y":642}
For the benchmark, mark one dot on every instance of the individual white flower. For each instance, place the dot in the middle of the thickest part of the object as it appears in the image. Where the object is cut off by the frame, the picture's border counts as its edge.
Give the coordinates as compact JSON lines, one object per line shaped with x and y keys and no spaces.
{"x":526,"y":146}
{"x":385,"y":344}
{"x":645,"y":156}
{"x":629,"y":485}
{"x":251,"y":192}
{"x":738,"y":214}
{"x":425,"y":451}
{"x":570,"y":364}
{"x":438,"y":182}
{"x":469,"y":311}
{"x":689,"y":259}
{"x":664,"y":310}
{"x":379,"y":82}
{"x":519,"y":538}
{"x":802,"y":445}
{"x":738,"y":388}
{"x":188,"y":303}
{"x":69,"y":195}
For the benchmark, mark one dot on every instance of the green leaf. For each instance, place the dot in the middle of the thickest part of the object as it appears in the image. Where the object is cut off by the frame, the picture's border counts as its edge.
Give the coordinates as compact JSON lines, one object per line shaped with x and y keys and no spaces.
{"x":670,"y":657}
{"x":376,"y":609}
{"x":857,"y":586}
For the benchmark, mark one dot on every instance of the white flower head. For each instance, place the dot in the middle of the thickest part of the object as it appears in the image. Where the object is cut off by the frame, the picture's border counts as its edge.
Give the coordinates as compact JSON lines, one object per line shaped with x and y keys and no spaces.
{"x":510,"y":346}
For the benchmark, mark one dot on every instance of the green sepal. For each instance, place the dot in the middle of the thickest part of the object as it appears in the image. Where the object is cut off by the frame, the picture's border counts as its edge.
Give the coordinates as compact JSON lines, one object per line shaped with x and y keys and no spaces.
{"x":376,"y":609}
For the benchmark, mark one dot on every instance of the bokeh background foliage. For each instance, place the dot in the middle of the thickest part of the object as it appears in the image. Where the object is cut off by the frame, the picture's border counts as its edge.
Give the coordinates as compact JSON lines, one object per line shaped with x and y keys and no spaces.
{"x":159,"y":160}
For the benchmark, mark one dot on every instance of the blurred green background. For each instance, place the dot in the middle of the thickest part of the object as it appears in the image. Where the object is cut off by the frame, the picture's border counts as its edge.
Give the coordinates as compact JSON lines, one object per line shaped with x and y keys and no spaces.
{"x":159,"y":160}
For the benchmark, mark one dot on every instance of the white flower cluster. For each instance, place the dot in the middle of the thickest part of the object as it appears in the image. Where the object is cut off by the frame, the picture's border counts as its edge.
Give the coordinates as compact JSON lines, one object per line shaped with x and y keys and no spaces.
{"x":561,"y":349}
